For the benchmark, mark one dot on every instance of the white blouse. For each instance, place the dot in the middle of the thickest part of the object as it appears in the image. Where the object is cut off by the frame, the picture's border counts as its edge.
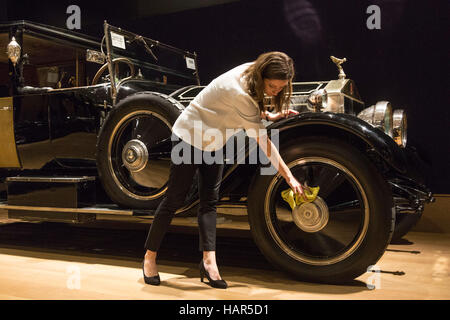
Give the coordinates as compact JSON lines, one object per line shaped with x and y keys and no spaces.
{"x":219,"y":111}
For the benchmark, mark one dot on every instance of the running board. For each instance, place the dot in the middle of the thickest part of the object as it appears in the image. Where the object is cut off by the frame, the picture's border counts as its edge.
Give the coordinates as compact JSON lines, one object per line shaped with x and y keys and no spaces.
{"x":232,"y":214}
{"x":226,"y":219}
{"x":91,"y":210}
{"x":60,"y":214}
{"x":48,"y":191}
{"x":226,"y":209}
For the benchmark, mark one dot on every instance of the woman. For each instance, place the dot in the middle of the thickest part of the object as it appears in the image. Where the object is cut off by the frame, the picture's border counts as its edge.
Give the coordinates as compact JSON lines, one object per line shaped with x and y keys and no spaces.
{"x":233,"y":100}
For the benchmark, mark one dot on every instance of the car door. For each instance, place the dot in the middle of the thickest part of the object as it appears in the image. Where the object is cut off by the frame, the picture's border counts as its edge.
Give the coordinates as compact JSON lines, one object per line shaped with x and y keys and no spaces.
{"x":31,"y":130}
{"x":74,"y":122}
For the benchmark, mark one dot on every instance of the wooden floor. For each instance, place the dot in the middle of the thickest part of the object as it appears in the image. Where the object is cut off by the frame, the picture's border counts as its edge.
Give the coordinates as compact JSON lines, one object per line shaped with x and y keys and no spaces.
{"x":416,"y":268}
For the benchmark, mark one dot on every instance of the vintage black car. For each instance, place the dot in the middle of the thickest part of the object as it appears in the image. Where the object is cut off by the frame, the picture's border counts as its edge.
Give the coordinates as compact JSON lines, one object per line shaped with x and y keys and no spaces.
{"x":86,"y":132}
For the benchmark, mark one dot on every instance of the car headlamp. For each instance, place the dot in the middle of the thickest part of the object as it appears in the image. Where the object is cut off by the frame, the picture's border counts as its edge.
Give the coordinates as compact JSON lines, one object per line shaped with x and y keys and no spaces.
{"x":317,"y":100}
{"x":400,"y":127}
{"x":13,"y":51}
{"x":379,"y":116}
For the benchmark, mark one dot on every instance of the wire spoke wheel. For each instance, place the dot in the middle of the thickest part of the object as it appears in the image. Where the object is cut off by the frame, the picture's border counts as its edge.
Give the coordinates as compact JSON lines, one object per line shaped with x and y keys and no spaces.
{"x":134,"y":150}
{"x":139,"y":154}
{"x":344,"y":203}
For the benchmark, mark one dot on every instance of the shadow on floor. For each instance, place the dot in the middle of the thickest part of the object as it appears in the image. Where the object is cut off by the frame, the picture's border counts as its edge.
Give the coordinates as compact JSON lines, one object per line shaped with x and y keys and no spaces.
{"x":237,"y":257}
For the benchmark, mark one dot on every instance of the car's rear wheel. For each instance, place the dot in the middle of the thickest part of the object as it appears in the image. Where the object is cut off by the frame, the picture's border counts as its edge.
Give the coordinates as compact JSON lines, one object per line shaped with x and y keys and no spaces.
{"x":343,"y":232}
{"x":133,"y":151}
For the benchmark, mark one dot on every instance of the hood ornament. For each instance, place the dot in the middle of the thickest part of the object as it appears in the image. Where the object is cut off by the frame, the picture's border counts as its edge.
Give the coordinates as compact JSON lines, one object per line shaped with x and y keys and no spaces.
{"x":13,"y":51}
{"x":339,"y":63}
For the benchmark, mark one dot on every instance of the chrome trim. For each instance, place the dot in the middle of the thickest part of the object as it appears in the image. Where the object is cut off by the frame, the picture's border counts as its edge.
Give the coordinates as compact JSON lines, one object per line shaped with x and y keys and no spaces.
{"x":72,"y":88}
{"x":135,"y":155}
{"x":95,"y":56}
{"x":400,"y":127}
{"x":335,"y":103}
{"x":294,"y":84}
{"x":382,"y":117}
{"x":367,"y":115}
{"x":352,"y":98}
{"x":76,"y":210}
{"x":318,"y":100}
{"x":311,"y":216}
{"x":379,"y":116}
{"x":344,"y":87}
{"x":51,"y":179}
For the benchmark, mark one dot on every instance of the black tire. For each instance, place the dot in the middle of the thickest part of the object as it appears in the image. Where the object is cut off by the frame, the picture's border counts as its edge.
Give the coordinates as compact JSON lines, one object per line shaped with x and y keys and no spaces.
{"x":355,"y":235}
{"x":140,"y":123}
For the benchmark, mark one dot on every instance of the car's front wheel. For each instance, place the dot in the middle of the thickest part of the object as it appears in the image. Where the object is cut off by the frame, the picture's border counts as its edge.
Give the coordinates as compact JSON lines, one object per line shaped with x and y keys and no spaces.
{"x":337,"y":237}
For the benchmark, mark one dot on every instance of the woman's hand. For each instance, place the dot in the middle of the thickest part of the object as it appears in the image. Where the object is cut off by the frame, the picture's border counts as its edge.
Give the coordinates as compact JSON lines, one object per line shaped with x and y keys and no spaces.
{"x":296,"y":187}
{"x":280,"y":115}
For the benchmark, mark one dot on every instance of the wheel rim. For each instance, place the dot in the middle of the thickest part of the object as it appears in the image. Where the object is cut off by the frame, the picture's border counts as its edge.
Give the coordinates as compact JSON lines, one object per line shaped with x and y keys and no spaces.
{"x":139,"y":154}
{"x":338,"y":231}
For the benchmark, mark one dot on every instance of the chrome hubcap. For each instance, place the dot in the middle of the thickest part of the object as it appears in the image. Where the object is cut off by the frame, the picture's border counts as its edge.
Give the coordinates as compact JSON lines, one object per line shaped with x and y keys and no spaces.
{"x":311,"y":216}
{"x":135,"y":155}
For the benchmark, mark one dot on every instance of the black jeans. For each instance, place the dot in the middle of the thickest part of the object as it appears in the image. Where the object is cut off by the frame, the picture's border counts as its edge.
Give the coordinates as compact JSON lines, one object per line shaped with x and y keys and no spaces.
{"x":180,"y":182}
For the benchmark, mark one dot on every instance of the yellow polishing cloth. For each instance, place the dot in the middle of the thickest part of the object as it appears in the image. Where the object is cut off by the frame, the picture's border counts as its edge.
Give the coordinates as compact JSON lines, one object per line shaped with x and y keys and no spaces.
{"x":296,"y":200}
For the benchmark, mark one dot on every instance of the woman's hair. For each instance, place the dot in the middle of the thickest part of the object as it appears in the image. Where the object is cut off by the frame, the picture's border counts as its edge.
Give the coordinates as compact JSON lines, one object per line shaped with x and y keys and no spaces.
{"x":270,"y":65}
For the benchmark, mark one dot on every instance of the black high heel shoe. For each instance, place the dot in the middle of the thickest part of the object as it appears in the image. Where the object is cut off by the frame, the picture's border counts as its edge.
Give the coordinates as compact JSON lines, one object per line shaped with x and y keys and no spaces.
{"x":220,"y":284}
{"x":154,"y":281}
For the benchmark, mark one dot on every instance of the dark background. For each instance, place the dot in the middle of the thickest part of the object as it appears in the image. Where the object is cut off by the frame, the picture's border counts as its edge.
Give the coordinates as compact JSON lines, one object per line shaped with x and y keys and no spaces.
{"x":405,"y":62}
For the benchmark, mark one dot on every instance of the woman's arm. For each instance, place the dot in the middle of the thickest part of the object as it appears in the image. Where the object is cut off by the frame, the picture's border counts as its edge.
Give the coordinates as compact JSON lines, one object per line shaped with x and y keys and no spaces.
{"x":278,"y":115}
{"x":275,"y":159}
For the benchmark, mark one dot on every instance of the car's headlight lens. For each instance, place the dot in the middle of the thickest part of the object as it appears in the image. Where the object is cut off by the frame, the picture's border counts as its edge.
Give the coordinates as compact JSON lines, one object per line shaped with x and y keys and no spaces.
{"x":400,"y":127}
{"x":379,"y":116}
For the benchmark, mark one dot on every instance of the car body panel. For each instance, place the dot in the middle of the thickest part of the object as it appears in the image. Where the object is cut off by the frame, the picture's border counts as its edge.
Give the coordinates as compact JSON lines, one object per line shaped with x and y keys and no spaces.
{"x":376,"y":139}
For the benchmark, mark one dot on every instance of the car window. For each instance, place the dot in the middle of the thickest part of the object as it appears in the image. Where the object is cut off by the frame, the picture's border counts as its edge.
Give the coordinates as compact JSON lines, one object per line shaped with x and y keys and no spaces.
{"x":156,"y":61}
{"x":56,"y":65}
{"x":57,"y":59}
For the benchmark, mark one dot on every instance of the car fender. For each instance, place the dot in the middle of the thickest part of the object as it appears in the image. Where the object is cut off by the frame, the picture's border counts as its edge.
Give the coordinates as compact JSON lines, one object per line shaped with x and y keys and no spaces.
{"x":325,"y":124}
{"x":155,"y":93}
{"x":143,"y":95}
{"x":339,"y":123}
